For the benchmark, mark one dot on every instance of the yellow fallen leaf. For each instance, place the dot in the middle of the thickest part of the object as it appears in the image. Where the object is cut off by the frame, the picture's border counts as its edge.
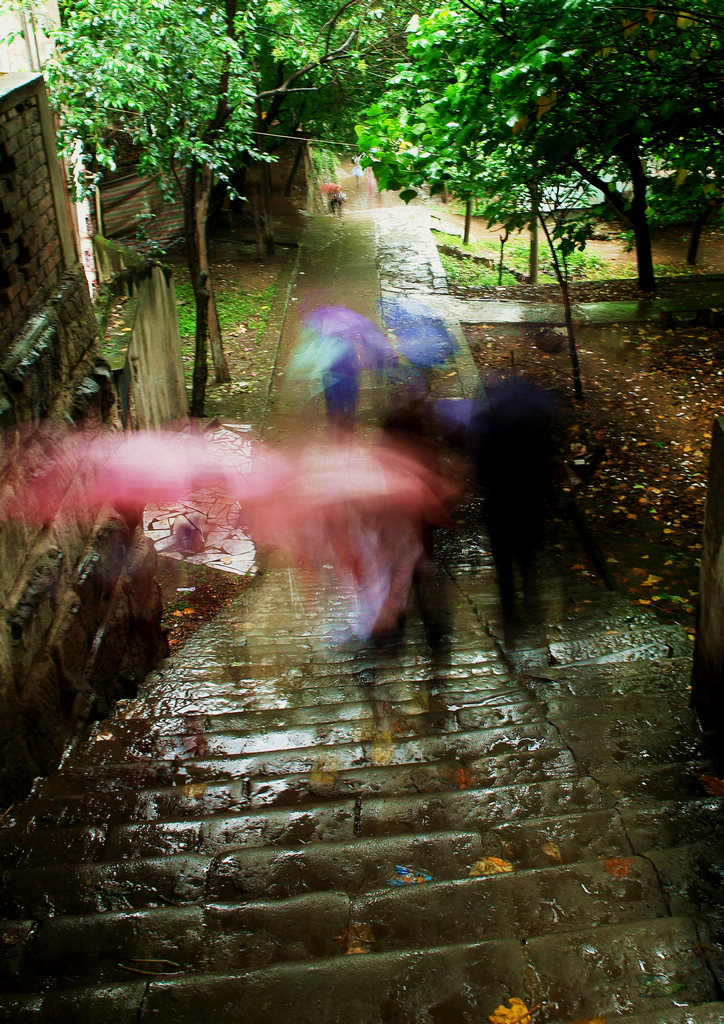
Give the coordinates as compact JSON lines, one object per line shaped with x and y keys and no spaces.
{"x":552,"y":850}
{"x":195,"y":789}
{"x":324,"y":772}
{"x":515,"y":1013}
{"x":382,"y":749}
{"x":490,"y":866}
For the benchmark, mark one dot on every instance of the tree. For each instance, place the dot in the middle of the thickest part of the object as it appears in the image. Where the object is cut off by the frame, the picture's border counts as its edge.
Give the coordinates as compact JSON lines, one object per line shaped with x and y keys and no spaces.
{"x":194,"y":84}
{"x":601,"y":90}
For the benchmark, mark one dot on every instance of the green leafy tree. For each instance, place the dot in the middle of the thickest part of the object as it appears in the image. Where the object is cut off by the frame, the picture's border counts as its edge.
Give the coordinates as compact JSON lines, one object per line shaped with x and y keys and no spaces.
{"x":598,"y":90}
{"x":195,"y":86}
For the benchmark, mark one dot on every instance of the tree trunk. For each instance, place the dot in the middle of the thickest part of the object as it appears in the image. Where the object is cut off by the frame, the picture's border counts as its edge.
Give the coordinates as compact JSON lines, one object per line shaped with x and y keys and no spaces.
{"x":633,"y":218}
{"x":533,"y":252}
{"x":640,"y":225}
{"x":258,"y":231}
{"x":699,"y":224}
{"x":468,"y":218}
{"x":198,"y":392}
{"x":503,"y":239}
{"x":295,"y":168}
{"x":201,"y":213}
{"x":201,"y":370}
{"x":562,"y":278}
{"x":268,"y":210}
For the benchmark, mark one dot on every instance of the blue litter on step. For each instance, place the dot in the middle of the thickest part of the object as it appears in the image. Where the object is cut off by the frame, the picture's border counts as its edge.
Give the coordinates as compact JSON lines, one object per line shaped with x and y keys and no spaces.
{"x":408,"y":876}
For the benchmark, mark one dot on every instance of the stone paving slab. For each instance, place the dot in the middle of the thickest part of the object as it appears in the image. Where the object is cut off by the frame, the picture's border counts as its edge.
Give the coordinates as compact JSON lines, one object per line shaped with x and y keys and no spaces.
{"x":440,"y":985}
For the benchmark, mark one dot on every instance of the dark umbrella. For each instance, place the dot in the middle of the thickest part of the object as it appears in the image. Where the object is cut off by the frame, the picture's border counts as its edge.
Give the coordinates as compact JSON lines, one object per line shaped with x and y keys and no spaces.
{"x":422,"y":336}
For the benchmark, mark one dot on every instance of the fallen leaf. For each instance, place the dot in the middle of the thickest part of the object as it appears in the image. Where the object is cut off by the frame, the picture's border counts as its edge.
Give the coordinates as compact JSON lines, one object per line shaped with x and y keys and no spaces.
{"x":713,"y":785}
{"x":464,"y":778}
{"x":324,"y":772}
{"x":552,"y":850}
{"x":382,"y":749}
{"x":515,"y":1013}
{"x":490,"y":866}
{"x":408,"y":876}
{"x":356,"y":939}
{"x":619,"y":867}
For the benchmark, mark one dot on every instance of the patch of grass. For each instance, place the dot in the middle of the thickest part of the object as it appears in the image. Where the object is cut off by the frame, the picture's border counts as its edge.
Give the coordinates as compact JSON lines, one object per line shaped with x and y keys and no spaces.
{"x":469,"y":274}
{"x":241,"y":313}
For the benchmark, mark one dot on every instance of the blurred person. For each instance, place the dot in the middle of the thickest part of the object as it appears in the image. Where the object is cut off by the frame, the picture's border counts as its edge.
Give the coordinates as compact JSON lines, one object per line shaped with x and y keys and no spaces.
{"x":512,"y":442}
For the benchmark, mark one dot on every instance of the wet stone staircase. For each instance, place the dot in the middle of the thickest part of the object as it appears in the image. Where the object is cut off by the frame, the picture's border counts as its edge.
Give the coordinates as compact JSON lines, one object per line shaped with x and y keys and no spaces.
{"x":280,"y":830}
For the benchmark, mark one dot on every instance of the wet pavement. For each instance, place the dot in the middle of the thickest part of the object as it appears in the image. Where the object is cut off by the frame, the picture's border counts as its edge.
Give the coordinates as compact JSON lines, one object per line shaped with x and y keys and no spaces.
{"x":439,"y":829}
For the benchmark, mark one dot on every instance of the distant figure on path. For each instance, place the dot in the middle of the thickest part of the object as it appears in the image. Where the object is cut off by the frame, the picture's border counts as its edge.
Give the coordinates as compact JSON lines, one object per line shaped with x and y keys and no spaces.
{"x":357,"y":172}
{"x":336,"y":202}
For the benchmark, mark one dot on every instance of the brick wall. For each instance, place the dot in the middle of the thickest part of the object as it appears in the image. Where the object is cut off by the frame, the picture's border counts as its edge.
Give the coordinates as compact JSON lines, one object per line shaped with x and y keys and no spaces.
{"x":32,"y":260}
{"x":80,"y":608}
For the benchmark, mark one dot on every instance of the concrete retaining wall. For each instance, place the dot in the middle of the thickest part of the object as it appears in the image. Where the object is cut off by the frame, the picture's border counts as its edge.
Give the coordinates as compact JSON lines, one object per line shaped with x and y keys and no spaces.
{"x":147,"y":362}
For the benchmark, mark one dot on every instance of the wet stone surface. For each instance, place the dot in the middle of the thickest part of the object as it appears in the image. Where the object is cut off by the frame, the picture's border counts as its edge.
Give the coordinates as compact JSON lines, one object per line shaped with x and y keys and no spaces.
{"x":280,"y":828}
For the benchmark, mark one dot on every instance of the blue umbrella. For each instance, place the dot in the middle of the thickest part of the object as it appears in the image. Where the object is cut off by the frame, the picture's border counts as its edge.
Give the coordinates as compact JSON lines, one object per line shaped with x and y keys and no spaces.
{"x":422,"y":336}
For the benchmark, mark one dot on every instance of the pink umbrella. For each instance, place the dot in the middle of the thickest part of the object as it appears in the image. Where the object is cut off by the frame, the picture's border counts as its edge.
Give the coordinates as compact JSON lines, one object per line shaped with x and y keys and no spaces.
{"x":362,"y":508}
{"x":87,"y":469}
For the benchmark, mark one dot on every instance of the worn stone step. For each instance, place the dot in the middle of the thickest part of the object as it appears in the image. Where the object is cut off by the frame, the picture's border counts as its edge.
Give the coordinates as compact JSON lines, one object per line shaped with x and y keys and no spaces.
{"x":357,"y":990}
{"x":692,"y":878}
{"x":244,"y":936}
{"x":360,"y":815}
{"x":226,"y":736}
{"x":657,"y":676}
{"x":216,"y":713}
{"x":645,"y":965}
{"x":644,"y":643}
{"x":53,"y":807}
{"x":350,"y":867}
{"x":381,"y":748}
{"x":652,"y":967}
{"x":706,"y":1013}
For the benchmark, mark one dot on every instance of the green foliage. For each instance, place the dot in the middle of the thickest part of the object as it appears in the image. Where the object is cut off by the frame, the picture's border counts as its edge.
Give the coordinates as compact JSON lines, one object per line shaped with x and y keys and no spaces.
{"x":496,"y":102}
{"x":236,"y":308}
{"x":469,"y":274}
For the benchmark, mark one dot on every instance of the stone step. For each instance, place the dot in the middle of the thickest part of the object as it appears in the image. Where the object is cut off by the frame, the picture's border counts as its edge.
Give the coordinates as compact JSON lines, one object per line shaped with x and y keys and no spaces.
{"x":656,"y":676}
{"x":224,"y":736}
{"x":383,"y":748}
{"x":652,"y":967}
{"x":706,"y":1013}
{"x":180,"y":879}
{"x":645,"y":643}
{"x":215,"y":714}
{"x":233,"y":937}
{"x":360,"y":815}
{"x":52,"y":807}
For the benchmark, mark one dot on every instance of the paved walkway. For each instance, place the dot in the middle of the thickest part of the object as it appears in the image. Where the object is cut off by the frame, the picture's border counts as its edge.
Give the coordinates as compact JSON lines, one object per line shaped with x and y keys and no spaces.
{"x":280,"y":829}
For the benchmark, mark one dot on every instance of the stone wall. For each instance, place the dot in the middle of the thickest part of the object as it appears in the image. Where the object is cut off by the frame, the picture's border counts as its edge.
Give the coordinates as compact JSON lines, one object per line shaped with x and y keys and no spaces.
{"x":707,"y":689}
{"x":80,"y":608}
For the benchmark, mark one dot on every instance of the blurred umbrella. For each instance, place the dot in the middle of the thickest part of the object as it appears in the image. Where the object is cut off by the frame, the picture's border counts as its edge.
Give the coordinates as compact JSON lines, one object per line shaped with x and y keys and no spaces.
{"x":359,"y":507}
{"x":337,"y":344}
{"x":342,"y":325}
{"x":422,"y":336}
{"x":86,"y":469}
{"x":330,"y":188}
{"x":455,"y":415}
